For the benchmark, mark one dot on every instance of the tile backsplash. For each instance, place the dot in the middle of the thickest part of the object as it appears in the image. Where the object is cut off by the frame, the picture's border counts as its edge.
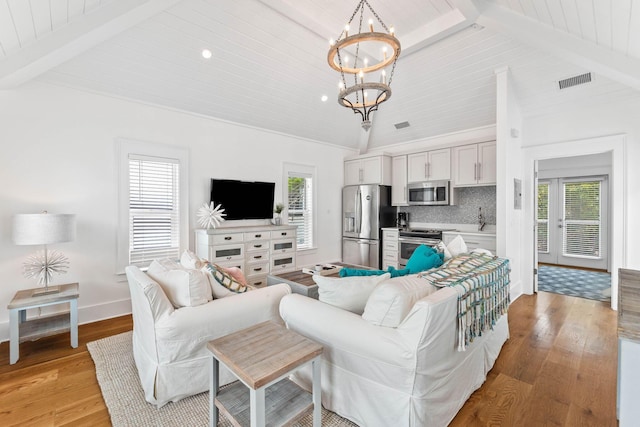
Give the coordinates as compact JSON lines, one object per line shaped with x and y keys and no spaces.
{"x":468,"y":200}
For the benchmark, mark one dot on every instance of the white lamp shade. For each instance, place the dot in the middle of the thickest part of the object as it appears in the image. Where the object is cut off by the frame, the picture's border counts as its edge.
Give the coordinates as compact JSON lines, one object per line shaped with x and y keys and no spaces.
{"x":43,"y":228}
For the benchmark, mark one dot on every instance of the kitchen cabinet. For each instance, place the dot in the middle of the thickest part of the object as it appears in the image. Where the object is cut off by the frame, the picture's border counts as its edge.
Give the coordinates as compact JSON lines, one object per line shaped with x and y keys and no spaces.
{"x":474,"y":164}
{"x":472,"y":240}
{"x":368,"y":170}
{"x":429,"y":166}
{"x":399,"y":181}
{"x":389,"y":248}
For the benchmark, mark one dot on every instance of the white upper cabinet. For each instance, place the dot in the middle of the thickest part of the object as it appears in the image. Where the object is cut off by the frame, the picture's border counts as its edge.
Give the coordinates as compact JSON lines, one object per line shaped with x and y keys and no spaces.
{"x":429,"y":166}
{"x":474,"y":164}
{"x":368,"y":170}
{"x":399,"y":181}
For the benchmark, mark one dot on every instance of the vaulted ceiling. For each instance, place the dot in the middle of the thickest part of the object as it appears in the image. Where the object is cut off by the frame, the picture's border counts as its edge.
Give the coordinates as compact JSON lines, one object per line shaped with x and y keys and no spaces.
{"x":268,"y":67}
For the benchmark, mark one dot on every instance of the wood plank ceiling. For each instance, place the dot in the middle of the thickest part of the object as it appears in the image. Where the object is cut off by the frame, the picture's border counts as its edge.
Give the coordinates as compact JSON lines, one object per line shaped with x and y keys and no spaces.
{"x":269,"y":69}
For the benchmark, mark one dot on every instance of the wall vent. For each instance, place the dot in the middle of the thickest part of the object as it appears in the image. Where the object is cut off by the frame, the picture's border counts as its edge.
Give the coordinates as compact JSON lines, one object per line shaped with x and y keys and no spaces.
{"x":574,"y":81}
{"x":402,"y":125}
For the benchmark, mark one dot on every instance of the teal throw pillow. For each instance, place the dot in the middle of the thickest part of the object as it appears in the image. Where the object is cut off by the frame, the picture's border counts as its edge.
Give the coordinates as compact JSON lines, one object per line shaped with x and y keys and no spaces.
{"x":347,"y":272}
{"x":424,"y":258}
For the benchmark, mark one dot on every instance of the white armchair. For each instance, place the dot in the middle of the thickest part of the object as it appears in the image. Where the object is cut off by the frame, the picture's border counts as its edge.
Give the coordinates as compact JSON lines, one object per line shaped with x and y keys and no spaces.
{"x":169,"y":344}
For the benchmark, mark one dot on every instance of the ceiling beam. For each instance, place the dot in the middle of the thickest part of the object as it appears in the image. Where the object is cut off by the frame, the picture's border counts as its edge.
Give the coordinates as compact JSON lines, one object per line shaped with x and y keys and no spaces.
{"x":76,"y":38}
{"x":565,"y":46}
{"x":434,"y":31}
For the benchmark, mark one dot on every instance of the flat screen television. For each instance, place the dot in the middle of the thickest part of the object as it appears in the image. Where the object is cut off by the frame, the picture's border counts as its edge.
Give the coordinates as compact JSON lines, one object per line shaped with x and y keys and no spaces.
{"x":243,"y":199}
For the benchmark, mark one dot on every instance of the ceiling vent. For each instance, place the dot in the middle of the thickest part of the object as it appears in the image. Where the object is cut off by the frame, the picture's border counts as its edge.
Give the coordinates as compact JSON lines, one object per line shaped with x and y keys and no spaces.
{"x":402,"y":125}
{"x":574,"y":81}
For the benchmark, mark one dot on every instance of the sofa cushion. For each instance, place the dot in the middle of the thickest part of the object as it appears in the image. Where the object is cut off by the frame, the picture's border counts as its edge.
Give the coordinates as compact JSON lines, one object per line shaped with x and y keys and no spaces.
{"x":424,"y":258}
{"x":223,"y":284}
{"x":184,"y":287}
{"x":347,"y":293}
{"x":391,"y":301}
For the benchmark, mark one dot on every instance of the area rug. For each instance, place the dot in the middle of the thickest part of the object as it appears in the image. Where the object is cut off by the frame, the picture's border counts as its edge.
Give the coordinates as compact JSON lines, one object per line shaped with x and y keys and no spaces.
{"x":578,"y":283}
{"x":118,"y":378}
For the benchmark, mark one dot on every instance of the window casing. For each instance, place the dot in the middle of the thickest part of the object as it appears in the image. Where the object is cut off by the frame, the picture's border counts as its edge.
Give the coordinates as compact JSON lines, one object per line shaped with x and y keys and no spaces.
{"x":300,"y":197}
{"x":153,"y":220}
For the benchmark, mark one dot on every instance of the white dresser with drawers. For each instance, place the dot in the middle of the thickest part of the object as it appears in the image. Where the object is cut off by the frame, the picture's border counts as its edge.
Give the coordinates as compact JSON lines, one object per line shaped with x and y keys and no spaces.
{"x":256,"y":250}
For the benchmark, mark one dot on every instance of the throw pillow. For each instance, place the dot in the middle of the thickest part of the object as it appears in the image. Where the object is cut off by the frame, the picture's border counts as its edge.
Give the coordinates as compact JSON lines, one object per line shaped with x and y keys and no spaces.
{"x":347,"y":293}
{"x":190,"y":260}
{"x":442,"y":248}
{"x":424,"y":258}
{"x":222,"y":283}
{"x":457,"y":246}
{"x":183,"y":287}
{"x":348,"y":272}
{"x":391,"y":301}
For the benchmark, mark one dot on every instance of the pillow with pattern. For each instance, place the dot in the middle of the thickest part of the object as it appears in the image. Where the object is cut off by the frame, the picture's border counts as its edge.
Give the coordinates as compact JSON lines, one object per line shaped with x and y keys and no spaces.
{"x":222,"y":283}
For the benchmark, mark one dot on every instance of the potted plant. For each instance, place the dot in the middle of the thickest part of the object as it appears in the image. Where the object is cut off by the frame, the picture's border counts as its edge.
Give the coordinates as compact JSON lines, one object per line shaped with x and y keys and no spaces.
{"x":278,"y":210}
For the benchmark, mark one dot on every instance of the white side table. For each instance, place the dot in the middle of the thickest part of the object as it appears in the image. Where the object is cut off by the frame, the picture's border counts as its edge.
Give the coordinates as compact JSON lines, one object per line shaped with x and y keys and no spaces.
{"x":23,"y":329}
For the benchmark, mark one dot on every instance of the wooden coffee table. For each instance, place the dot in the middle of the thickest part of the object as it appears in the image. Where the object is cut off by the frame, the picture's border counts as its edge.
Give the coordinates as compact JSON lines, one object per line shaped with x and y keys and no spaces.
{"x":302,"y":283}
{"x":262,"y":357}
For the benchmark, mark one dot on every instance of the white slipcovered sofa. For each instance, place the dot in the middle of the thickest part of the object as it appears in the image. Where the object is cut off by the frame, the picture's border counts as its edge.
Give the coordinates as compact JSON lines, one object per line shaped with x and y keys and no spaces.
{"x":169,"y":344}
{"x":409,"y":375}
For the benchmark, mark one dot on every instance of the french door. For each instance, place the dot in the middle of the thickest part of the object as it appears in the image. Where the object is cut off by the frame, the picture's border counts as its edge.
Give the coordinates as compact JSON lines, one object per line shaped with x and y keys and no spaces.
{"x":572,"y":222}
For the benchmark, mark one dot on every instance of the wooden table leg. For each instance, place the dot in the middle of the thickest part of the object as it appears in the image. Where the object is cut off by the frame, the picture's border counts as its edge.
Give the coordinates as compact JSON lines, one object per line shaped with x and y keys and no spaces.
{"x":317,"y":391}
{"x":257,"y":407}
{"x":73,"y":320}
{"x":213,"y":392}
{"x":14,"y":338}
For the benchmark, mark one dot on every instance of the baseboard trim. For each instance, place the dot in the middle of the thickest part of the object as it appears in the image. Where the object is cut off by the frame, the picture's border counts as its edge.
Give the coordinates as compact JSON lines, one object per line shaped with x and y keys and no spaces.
{"x":87,"y":314}
{"x":515,"y":290}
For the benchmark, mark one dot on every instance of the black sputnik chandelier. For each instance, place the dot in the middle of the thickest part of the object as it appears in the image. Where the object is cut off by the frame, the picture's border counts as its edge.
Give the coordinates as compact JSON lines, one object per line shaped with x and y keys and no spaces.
{"x":362,"y":58}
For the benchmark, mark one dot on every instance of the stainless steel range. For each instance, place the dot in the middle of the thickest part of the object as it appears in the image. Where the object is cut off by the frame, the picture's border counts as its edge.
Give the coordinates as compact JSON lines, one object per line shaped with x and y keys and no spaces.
{"x":409,"y":240}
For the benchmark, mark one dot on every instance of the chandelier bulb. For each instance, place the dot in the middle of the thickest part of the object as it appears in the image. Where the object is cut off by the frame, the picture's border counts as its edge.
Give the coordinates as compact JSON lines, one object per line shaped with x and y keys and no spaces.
{"x":371,"y":24}
{"x":332,"y":42}
{"x":346,"y":30}
{"x":361,"y":75}
{"x":392,"y":30}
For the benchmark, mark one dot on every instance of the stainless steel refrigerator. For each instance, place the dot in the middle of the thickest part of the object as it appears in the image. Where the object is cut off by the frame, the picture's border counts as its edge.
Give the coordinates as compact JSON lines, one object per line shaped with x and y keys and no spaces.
{"x":365,"y":210}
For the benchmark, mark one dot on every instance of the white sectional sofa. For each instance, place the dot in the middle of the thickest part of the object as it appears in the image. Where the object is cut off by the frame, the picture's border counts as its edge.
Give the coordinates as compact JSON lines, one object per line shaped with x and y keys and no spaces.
{"x":169,"y":344}
{"x":409,"y":375}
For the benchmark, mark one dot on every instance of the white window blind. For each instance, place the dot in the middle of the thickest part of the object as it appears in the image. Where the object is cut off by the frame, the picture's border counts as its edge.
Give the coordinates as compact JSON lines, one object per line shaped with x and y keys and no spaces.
{"x":582,"y":219}
{"x":543,"y":217}
{"x":154,"y":211}
{"x":300,"y":207}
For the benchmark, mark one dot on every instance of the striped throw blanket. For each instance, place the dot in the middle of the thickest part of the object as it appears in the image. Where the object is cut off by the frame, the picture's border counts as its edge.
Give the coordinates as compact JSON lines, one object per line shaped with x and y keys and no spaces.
{"x":482,"y":283}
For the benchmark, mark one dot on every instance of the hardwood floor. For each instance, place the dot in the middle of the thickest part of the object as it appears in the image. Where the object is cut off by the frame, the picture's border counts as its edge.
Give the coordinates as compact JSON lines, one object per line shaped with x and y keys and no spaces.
{"x":558,"y":368}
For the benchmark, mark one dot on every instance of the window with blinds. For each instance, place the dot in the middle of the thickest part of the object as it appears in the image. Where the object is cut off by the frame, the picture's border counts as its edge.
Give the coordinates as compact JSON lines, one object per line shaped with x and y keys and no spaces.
{"x":543,"y":217}
{"x":582,"y":219}
{"x":154,"y":214}
{"x":300,"y":207}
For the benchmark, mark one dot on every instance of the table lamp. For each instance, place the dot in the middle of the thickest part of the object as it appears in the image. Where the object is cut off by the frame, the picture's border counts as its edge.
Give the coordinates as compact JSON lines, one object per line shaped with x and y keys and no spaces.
{"x":44,"y":229}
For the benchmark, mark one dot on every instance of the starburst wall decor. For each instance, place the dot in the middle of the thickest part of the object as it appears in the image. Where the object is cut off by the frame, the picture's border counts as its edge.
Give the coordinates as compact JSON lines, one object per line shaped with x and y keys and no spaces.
{"x":210,"y":216}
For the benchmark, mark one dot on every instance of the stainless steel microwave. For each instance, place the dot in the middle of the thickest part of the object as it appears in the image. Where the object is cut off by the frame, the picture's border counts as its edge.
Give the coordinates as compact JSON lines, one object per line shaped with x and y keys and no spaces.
{"x":428,"y":193}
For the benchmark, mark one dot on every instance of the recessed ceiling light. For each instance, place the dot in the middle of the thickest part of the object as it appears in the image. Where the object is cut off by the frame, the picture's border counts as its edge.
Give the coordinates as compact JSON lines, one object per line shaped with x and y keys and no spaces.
{"x":206,"y":53}
{"x":324,"y":98}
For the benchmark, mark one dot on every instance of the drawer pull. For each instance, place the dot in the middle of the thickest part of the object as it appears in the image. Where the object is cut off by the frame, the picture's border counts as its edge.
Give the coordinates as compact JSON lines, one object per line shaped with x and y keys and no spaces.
{"x":227,"y":238}
{"x":257,"y":246}
{"x":257,"y":269}
{"x":257,"y":284}
{"x":284,"y":233}
{"x":257,"y":236}
{"x":257,"y":257}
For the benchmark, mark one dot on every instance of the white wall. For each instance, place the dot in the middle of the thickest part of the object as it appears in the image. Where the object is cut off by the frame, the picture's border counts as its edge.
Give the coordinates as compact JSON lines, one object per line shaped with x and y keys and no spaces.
{"x":58,"y":154}
{"x":510,"y":228}
{"x":586,"y":130}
